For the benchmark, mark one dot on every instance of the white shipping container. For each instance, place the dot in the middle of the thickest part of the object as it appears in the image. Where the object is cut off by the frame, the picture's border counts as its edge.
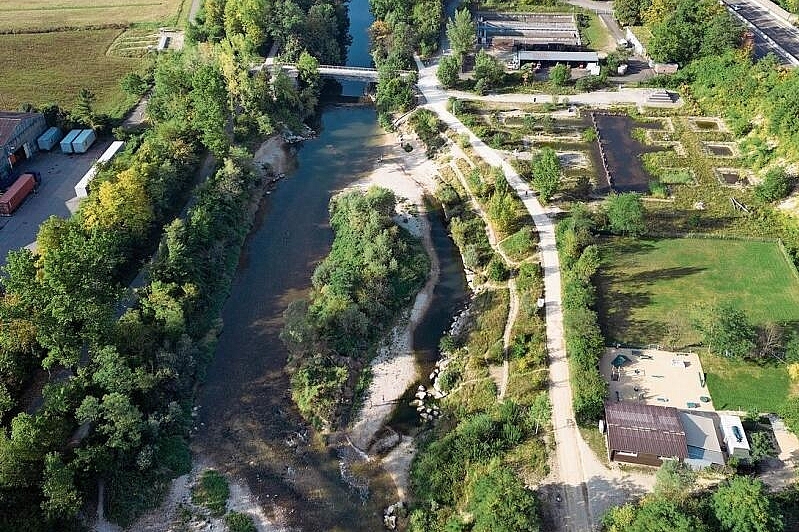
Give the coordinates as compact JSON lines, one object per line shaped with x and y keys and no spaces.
{"x":82,"y":188}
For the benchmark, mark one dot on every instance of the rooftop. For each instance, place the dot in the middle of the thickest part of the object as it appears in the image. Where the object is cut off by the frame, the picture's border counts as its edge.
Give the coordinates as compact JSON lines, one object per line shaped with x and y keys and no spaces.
{"x":9,"y":120}
{"x":645,"y":429}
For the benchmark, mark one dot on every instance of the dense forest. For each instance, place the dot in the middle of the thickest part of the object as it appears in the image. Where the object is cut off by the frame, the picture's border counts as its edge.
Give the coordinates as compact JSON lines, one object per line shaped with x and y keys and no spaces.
{"x":96,"y":382}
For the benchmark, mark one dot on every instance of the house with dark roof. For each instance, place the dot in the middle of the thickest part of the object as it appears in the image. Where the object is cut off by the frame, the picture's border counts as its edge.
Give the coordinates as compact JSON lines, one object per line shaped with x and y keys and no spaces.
{"x":18,"y":134}
{"x":644,"y":434}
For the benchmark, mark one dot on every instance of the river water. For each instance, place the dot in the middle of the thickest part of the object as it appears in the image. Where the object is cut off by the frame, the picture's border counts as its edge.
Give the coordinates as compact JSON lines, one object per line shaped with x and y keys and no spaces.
{"x":247,"y":424}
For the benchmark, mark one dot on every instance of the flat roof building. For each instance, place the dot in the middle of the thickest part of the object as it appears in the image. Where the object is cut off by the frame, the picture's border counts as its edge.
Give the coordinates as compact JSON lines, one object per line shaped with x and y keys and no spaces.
{"x":644,"y":434}
{"x":701,"y":437}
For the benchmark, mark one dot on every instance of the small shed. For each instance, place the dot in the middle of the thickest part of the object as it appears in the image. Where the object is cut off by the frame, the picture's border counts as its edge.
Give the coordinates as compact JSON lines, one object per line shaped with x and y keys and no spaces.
{"x":704,"y":448}
{"x":83,"y":141}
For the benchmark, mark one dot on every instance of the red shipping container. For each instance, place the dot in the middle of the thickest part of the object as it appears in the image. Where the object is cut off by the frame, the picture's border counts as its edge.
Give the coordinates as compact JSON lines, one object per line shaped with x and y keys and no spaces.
{"x":16,"y":194}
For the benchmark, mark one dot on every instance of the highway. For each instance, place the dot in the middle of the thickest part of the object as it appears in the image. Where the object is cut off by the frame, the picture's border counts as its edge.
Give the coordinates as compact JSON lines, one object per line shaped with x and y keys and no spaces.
{"x":772,"y":33}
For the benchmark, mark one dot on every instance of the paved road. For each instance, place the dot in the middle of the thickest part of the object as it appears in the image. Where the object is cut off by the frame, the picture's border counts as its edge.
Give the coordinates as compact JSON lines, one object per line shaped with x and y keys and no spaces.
{"x":772,"y":33}
{"x":598,"y":7}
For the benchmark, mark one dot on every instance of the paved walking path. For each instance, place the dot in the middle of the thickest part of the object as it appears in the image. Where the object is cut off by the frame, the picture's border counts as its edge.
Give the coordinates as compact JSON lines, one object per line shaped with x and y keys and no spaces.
{"x":631,"y":96}
{"x":586,"y":485}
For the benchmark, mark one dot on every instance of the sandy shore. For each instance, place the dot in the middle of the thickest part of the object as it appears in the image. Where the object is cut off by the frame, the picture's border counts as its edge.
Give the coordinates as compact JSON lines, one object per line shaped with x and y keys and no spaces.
{"x":410,"y":176}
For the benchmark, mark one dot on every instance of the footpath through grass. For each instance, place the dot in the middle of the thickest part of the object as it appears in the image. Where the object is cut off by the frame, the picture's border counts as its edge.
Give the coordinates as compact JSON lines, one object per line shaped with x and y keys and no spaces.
{"x":649,"y":289}
{"x":41,"y":68}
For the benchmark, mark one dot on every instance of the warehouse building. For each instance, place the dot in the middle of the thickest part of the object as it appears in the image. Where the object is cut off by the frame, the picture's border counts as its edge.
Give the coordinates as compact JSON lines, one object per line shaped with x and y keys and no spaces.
{"x":18,"y":135}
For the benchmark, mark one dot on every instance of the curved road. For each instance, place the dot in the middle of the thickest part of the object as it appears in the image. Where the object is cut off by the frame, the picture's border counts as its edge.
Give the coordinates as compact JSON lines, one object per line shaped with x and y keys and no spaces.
{"x":587,"y":487}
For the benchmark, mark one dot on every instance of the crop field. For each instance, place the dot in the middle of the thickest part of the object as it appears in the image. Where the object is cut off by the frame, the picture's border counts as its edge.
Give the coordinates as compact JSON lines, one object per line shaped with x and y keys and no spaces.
{"x":40,"y":15}
{"x":650,"y":289}
{"x":52,"y":67}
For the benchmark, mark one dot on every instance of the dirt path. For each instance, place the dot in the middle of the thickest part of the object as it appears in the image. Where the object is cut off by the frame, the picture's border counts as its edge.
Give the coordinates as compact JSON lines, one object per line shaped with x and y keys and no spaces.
{"x":507,"y":338}
{"x":586,"y":486}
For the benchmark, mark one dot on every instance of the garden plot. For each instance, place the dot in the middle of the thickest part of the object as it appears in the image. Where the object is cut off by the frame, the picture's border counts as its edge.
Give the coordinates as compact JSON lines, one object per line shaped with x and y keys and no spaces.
{"x":734,"y":177}
{"x":722,"y":150}
{"x":707,"y":124}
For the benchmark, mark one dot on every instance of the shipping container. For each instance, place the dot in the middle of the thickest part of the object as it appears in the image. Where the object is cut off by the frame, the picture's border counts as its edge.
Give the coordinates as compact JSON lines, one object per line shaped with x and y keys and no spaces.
{"x":82,"y":188}
{"x":83,"y":141}
{"x":66,"y":142}
{"x":16,"y":194}
{"x":49,"y":138}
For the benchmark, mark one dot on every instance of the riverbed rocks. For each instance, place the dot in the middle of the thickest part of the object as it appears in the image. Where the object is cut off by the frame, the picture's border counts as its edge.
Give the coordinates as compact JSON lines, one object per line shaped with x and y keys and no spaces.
{"x":390,"y":515}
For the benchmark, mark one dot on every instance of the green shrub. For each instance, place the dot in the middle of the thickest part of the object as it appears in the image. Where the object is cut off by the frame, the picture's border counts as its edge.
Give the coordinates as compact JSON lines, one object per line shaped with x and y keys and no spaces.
{"x":240,"y":522}
{"x":212,"y":492}
{"x":497,"y":271}
{"x":776,"y":185}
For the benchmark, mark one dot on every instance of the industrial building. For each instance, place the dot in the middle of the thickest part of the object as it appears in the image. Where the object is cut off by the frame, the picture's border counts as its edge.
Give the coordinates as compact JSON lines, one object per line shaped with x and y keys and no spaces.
{"x":18,"y":135}
{"x":528,"y":30}
{"x":704,"y":448}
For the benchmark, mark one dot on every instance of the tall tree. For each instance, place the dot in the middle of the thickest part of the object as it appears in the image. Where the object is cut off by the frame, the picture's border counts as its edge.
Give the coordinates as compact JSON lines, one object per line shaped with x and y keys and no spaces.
{"x":546,"y":174}
{"x":462,"y":32}
{"x":625,"y":214}
{"x":742,"y":505}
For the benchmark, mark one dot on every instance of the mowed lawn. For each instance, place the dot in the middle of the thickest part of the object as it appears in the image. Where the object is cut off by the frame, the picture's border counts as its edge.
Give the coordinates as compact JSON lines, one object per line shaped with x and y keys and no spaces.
{"x":19,"y":15}
{"x":740,"y":385}
{"x":649,"y":290}
{"x":40,"y":68}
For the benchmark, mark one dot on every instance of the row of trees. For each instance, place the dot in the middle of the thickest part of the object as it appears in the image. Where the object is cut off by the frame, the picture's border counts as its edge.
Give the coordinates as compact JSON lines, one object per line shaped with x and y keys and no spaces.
{"x":739,"y":504}
{"x":400,"y":28}
{"x":682,"y":30}
{"x":117,"y":394}
{"x":372,"y":271}
{"x":320,"y":28}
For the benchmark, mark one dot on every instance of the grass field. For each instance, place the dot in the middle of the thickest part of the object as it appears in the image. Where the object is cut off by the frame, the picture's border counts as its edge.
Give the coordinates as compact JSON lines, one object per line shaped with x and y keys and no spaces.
{"x":738,"y":385}
{"x":53,"y":67}
{"x":18,"y":15}
{"x":649,"y":289}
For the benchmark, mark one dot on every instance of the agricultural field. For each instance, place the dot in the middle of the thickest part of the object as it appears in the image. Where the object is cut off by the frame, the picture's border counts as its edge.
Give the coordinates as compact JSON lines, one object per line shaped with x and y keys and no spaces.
{"x":43,"y":15}
{"x":52,"y":67}
{"x":649,"y":289}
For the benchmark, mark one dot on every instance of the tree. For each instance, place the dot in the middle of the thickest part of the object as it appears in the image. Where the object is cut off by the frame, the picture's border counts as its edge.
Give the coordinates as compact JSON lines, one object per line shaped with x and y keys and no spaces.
{"x":462,"y":33}
{"x":726,"y":330}
{"x":134,"y":84}
{"x":560,"y":75}
{"x":448,"y":68}
{"x":625,"y":214}
{"x":84,"y":107}
{"x":61,"y":497}
{"x":674,"y":480}
{"x":662,"y":515}
{"x":499,"y":502}
{"x":760,"y":446}
{"x":742,"y":505}
{"x":488,"y":71}
{"x":546,"y":174}
{"x":628,"y":12}
{"x":776,"y":184}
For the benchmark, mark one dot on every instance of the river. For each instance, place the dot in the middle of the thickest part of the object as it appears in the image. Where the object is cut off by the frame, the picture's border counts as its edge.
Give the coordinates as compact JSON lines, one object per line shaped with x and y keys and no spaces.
{"x":247,"y":424}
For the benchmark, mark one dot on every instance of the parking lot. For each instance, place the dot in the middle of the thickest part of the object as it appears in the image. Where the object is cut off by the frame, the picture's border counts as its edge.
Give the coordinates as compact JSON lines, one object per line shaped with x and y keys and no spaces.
{"x":60,"y":173}
{"x":656,"y":378}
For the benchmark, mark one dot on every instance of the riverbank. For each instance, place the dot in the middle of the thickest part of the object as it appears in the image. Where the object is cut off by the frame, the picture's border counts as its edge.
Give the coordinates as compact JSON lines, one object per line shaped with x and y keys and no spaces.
{"x":411,"y":176}
{"x":272,"y":159}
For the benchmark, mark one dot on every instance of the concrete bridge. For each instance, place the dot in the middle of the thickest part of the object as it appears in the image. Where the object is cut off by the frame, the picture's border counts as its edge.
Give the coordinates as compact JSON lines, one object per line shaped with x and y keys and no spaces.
{"x":339,"y":72}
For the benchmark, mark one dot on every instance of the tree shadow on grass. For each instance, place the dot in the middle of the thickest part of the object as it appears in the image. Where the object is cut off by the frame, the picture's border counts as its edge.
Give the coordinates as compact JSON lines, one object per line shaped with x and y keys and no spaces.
{"x":662,"y":274}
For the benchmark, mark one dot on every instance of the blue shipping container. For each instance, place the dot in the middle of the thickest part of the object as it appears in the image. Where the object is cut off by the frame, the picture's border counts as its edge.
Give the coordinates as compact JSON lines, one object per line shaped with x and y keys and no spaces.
{"x":49,"y":138}
{"x":83,"y":141}
{"x":66,"y":142}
